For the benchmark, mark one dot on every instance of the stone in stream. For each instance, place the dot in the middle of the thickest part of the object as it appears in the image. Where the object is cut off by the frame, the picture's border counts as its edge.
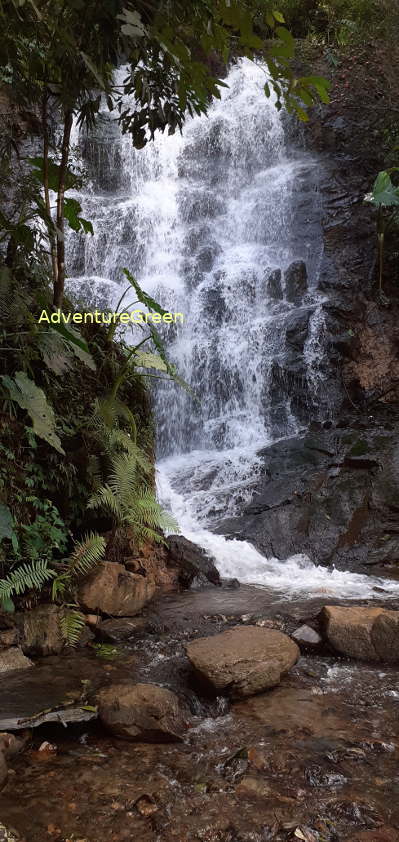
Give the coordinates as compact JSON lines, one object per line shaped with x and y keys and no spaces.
{"x":3,"y":770}
{"x":112,"y":590}
{"x":243,"y":660}
{"x":13,"y":659}
{"x":364,"y":632}
{"x":307,"y":638}
{"x":122,"y":628}
{"x":39,"y":630}
{"x":273,"y":284}
{"x":192,"y":561}
{"x":143,"y":712}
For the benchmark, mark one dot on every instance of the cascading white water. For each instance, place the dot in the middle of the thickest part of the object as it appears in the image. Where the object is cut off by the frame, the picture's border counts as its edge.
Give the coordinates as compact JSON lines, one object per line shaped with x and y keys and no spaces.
{"x":204,"y":220}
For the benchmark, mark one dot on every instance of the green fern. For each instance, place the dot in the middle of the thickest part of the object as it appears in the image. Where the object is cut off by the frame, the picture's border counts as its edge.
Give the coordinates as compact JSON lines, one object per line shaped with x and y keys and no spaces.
{"x":86,"y":555}
{"x":29,"y":576}
{"x":72,"y":624}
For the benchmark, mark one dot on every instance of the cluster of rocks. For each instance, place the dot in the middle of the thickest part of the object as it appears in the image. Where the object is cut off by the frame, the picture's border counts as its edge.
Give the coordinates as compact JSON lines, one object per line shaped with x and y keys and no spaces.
{"x":110,"y":598}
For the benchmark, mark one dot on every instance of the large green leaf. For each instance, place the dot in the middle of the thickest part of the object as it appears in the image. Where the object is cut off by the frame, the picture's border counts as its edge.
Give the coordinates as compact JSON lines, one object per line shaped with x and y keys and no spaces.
{"x":28,"y":396}
{"x":142,"y":296}
{"x":384,"y":191}
{"x":76,"y":343}
{"x":149,"y":360}
{"x":7,"y":526}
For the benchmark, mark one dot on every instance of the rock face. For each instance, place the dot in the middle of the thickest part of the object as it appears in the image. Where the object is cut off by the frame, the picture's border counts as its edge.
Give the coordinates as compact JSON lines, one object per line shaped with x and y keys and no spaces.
{"x":141,"y":712}
{"x":40,"y":630}
{"x":13,"y":659}
{"x":329,"y":495}
{"x":112,"y":590}
{"x":192,"y":561}
{"x":296,"y":281}
{"x":371,"y":634}
{"x":243,"y":660}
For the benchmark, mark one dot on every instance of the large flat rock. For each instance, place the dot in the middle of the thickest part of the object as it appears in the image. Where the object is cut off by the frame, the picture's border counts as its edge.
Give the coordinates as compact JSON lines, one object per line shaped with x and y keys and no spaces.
{"x":243,"y":660}
{"x":364,"y":632}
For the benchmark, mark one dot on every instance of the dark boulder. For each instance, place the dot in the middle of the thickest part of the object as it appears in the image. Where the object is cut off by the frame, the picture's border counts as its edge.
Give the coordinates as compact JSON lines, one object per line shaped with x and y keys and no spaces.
{"x":273,"y":284}
{"x":296,"y":281}
{"x":192,"y":561}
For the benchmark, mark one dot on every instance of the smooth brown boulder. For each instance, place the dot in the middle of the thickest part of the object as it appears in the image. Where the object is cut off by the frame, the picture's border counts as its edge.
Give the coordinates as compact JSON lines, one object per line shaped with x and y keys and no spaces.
{"x":243,"y":660}
{"x":112,"y":590}
{"x":364,"y":632}
{"x":13,"y":659}
{"x":142,"y":712}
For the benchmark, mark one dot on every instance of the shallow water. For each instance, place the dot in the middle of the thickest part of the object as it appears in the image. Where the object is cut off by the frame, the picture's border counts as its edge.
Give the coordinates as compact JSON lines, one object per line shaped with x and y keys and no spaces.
{"x":318,"y":753}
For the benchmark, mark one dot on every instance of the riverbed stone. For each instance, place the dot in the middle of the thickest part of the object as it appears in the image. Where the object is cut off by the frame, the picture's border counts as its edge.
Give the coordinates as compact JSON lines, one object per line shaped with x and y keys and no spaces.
{"x":364,"y":632}
{"x":243,"y":660}
{"x":120,"y":629}
{"x":143,"y":712}
{"x":307,"y":638}
{"x":192,"y":561}
{"x":13,"y":659}
{"x":111,"y":589}
{"x":40,"y":630}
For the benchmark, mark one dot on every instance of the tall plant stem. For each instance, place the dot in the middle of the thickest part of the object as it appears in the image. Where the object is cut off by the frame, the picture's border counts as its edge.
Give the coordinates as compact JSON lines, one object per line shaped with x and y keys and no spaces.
{"x":59,"y":284}
{"x":52,"y":240}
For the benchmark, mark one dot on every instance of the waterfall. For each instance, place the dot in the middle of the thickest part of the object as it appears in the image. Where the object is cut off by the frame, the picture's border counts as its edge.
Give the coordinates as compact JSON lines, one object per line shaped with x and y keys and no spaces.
{"x":219,"y":224}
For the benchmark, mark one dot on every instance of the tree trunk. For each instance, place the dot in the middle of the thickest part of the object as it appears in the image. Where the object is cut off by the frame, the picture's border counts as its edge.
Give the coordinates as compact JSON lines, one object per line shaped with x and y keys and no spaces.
{"x":60,"y":280}
{"x":51,"y":234}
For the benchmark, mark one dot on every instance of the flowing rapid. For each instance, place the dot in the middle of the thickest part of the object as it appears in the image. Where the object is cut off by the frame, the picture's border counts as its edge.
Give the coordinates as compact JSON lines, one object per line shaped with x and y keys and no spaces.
{"x":210,"y":223}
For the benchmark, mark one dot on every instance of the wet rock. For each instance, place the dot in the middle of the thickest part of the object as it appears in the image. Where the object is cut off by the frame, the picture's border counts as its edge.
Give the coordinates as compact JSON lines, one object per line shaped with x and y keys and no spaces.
{"x":7,"y":835}
{"x":243,"y":660}
{"x":112,"y":590}
{"x":296,"y":281}
{"x":381,"y":834}
{"x":297,"y":328}
{"x":8,"y":637}
{"x":191,"y":560}
{"x":13,"y":659}
{"x":307,"y":638}
{"x":11,"y":745}
{"x":115,"y":631}
{"x":367,"y":633}
{"x":251,"y":787}
{"x":40,"y":631}
{"x":273,"y":285}
{"x":143,"y":712}
{"x":3,"y":771}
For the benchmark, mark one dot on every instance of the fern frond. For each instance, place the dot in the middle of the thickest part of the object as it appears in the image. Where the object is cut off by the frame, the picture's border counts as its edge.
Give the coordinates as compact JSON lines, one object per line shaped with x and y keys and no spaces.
{"x":87,"y":554}
{"x":72,"y":624}
{"x":150,"y":512}
{"x":104,"y":498}
{"x":120,"y":440}
{"x":60,"y":585}
{"x":29,"y":576}
{"x":123,"y":479}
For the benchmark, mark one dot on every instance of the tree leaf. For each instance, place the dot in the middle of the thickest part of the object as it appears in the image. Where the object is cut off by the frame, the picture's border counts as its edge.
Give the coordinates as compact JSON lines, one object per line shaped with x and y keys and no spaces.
{"x":29,"y":397}
{"x":384,"y":191}
{"x":149,"y":360}
{"x":142,"y":296}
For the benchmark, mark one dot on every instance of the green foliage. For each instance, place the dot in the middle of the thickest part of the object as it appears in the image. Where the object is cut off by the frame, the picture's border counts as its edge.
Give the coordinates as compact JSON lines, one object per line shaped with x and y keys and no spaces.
{"x":31,"y":576}
{"x":28,"y":396}
{"x":86,"y":555}
{"x":339,"y":22}
{"x":384,"y":197}
{"x":72,"y":624}
{"x":7,"y":526}
{"x":106,"y":651}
